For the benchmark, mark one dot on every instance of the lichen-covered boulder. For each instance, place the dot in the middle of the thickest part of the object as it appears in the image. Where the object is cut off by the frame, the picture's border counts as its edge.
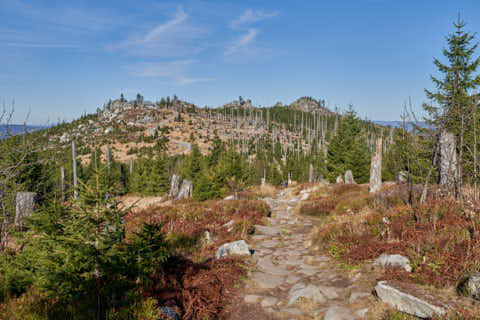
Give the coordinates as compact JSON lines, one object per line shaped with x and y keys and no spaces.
{"x":239,"y":247}
{"x":393,"y":261}
{"x":473,"y":286}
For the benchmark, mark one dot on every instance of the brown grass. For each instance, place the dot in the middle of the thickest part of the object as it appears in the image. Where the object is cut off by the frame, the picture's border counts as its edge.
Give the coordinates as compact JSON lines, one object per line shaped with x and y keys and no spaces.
{"x":441,"y":241}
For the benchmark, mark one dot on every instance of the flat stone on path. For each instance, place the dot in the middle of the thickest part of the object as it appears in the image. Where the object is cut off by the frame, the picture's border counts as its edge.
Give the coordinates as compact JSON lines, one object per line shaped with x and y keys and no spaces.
{"x":267,"y":281}
{"x":338,"y":313}
{"x":269,"y":231}
{"x":301,"y":290}
{"x":269,"y":302}
{"x":251,"y":298}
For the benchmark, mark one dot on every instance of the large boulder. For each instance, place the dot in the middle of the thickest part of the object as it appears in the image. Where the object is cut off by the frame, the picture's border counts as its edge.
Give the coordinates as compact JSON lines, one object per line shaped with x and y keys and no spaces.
{"x":393,"y":261}
{"x":25,"y":204}
{"x":186,"y":190}
{"x":349,"y":177}
{"x":408,"y":303}
{"x":239,"y":247}
{"x":473,"y":285}
{"x":402,"y":177}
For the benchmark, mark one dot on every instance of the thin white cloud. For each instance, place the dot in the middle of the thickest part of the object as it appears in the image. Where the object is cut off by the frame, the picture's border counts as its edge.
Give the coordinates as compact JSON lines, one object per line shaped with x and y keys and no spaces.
{"x":173,"y":71}
{"x":250,"y":16}
{"x":179,"y":18}
{"x":174,"y":38}
{"x":242,"y":42}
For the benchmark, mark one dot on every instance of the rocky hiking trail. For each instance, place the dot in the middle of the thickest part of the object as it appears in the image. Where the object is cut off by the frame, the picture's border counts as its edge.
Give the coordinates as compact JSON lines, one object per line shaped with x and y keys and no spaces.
{"x":288,"y":282}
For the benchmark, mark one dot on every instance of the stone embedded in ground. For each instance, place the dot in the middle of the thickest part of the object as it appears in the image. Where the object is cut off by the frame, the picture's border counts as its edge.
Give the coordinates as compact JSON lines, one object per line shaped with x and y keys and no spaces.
{"x":361,"y":313}
{"x":354,"y":296}
{"x":329,"y":292}
{"x":349,"y":177}
{"x":267,"y":281}
{"x":239,"y":247}
{"x":473,"y":286}
{"x":402,"y":177}
{"x":338,"y":313}
{"x":393,"y":261}
{"x":406,"y":302}
{"x":230,"y":197}
{"x":265,"y":264}
{"x":269,"y":302}
{"x":269,"y":231}
{"x":252,"y":298}
{"x":301,"y":290}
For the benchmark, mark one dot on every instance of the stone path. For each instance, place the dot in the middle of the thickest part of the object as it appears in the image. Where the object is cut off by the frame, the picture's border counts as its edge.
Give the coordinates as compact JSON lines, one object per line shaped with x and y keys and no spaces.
{"x":289,"y":282}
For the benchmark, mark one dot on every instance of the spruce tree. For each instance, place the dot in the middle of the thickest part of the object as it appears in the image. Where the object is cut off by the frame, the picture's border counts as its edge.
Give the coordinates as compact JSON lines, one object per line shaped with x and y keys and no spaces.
{"x":348,"y":150}
{"x":454,"y":107}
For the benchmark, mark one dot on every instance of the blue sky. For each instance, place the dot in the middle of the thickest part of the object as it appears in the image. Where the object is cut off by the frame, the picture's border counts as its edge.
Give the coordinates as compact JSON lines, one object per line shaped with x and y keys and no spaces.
{"x":61,"y":58}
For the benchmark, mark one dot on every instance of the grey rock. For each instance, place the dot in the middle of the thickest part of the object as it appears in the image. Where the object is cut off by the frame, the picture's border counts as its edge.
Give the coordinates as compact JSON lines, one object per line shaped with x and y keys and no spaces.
{"x":473,"y":285}
{"x":169,"y":313}
{"x":360,"y":314}
{"x":301,"y":290}
{"x":329,"y":292}
{"x":239,"y":247}
{"x":25,"y":203}
{"x":65,"y":138}
{"x":349,"y":177}
{"x":108,"y":130}
{"x":406,"y":302}
{"x":267,"y":281}
{"x":339,"y":179}
{"x":269,"y":231}
{"x":338,"y":313}
{"x":251,"y":298}
{"x":393,"y":261}
{"x":230,"y":197}
{"x":402,"y":177}
{"x":354,"y":296}
{"x":207,"y":237}
{"x":269,"y":302}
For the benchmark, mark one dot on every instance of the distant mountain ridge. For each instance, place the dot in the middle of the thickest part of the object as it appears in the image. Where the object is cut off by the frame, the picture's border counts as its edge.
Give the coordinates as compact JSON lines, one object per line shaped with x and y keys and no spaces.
{"x":13,"y":129}
{"x":398,"y":124}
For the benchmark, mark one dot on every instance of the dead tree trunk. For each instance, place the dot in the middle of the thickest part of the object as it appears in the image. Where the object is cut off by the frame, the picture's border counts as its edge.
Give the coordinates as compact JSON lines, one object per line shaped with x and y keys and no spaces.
{"x":376,"y":169}
{"x":74,"y":159}
{"x":448,"y":160}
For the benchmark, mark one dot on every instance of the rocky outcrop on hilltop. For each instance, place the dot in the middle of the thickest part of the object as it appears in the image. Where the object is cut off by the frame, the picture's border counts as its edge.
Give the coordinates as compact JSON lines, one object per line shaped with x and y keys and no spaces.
{"x":308,"y":104}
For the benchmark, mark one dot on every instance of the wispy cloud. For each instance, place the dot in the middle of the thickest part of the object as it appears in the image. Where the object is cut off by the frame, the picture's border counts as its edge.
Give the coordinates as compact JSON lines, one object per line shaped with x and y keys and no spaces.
{"x":241,"y":42}
{"x":173,"y":38}
{"x":251,"y":16}
{"x":173,"y":71}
